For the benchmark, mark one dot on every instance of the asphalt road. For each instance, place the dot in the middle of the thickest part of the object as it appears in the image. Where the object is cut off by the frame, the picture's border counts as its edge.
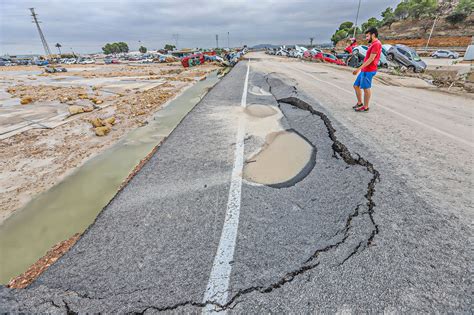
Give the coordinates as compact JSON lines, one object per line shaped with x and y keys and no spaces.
{"x":379,"y":222}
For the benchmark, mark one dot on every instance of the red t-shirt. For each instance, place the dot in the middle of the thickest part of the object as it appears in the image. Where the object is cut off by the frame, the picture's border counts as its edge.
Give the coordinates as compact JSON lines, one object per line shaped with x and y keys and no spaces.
{"x":375,"y":47}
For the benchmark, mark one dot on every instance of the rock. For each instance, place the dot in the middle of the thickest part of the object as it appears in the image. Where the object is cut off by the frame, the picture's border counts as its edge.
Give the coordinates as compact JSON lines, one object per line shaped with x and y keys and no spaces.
{"x":26,"y":100}
{"x":75,"y":109}
{"x":109,"y":121}
{"x":102,"y":131}
{"x":96,"y":122}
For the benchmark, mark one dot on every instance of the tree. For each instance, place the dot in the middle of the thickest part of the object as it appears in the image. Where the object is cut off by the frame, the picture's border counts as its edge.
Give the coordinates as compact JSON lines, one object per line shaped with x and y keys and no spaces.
{"x":346,"y":25}
{"x":170,"y":47}
{"x":422,"y":8}
{"x":142,"y":49}
{"x":401,"y":11}
{"x":388,"y":17}
{"x":465,"y":6}
{"x":115,"y":48}
{"x":372,"y":22}
{"x":123,"y":47}
{"x":58,"y":46}
{"x":339,"y":35}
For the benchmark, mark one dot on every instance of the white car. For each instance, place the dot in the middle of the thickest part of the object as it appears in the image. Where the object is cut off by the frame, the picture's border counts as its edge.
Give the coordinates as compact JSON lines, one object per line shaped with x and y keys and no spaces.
{"x":445,"y":54}
{"x":282,"y":52}
{"x":385,"y":48}
{"x":87,"y":61}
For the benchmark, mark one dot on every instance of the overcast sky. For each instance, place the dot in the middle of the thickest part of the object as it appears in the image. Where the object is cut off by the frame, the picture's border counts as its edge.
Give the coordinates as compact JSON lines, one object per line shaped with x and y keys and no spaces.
{"x":84,"y":25}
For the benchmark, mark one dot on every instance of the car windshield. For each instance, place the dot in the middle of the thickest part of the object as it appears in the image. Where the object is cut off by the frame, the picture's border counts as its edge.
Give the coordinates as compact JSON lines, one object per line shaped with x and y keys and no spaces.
{"x":415,"y":56}
{"x":365,"y":47}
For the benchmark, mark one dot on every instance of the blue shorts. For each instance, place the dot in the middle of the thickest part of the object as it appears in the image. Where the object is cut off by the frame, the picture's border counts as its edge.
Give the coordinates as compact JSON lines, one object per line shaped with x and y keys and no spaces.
{"x":364,"y":80}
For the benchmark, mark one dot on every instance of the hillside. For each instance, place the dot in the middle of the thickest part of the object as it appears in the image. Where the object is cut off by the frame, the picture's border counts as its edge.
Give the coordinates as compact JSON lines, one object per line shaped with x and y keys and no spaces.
{"x":414,"y":31}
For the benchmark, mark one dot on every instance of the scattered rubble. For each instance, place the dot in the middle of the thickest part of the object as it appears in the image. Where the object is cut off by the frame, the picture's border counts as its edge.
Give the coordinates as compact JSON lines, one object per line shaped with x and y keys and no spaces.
{"x":76,"y":109}
{"x":38,"y":157}
{"x":35,"y":93}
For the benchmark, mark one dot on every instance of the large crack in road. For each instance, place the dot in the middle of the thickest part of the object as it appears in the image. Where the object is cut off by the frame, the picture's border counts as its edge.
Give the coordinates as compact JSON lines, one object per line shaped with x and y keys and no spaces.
{"x":340,"y":152}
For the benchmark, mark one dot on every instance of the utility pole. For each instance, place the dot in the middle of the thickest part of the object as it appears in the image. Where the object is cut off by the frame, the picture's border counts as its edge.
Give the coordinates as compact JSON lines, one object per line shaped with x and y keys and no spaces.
{"x":431,"y":33}
{"x":217,"y":41}
{"x":357,"y":19}
{"x":228,"y":40}
{"x":43,"y":40}
{"x":311,"y":41}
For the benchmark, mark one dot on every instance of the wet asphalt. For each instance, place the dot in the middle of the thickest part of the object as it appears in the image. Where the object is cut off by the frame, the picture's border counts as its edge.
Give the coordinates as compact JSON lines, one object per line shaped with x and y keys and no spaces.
{"x":347,"y":236}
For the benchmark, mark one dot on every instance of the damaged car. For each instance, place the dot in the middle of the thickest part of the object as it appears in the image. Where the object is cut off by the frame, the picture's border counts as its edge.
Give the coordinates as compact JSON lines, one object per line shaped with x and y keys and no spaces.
{"x":407,"y":57}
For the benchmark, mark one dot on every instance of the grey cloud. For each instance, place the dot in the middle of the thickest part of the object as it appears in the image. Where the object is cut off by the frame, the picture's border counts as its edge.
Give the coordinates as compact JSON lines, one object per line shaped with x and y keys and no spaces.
{"x":86,"y":25}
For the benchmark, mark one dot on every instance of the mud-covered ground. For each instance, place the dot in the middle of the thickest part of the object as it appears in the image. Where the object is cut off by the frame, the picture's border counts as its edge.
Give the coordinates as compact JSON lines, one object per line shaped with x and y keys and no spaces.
{"x":36,"y":157}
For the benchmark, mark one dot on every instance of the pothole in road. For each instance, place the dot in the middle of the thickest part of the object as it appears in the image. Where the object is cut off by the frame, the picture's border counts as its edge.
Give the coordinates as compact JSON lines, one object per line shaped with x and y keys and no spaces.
{"x":285,"y":159}
{"x":260,"y":111}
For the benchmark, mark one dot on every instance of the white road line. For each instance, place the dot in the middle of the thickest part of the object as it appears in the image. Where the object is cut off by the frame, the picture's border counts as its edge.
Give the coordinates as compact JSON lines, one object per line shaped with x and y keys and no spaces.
{"x":444,"y":133}
{"x":218,"y":285}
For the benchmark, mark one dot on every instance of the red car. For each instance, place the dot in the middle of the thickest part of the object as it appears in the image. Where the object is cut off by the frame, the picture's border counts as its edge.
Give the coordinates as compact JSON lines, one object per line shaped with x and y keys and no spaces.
{"x":329,"y":58}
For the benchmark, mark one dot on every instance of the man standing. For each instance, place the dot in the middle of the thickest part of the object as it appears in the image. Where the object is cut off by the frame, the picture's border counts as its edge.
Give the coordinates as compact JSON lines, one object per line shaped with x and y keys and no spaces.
{"x":367,"y":70}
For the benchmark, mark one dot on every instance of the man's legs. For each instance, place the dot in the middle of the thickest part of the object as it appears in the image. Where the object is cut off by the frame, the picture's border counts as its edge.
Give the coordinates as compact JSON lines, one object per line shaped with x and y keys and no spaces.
{"x":358,"y":94}
{"x":367,"y":95}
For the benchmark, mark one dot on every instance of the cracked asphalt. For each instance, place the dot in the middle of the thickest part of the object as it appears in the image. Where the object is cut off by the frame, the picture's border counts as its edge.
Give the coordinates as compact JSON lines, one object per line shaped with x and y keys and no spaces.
{"x":368,"y":229}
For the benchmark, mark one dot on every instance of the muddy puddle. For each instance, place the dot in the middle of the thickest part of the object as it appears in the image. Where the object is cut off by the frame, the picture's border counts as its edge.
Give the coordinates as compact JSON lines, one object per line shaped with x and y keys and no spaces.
{"x":282,"y":157}
{"x":285,"y":158}
{"x":260,"y":111}
{"x":72,"y":205}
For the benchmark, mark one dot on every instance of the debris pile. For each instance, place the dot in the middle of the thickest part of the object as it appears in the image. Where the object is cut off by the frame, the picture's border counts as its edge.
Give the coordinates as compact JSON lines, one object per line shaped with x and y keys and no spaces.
{"x":35,"y":93}
{"x":102,"y":126}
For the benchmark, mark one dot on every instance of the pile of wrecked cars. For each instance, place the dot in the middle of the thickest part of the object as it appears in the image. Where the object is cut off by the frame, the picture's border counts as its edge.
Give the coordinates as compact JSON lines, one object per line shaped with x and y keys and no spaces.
{"x":226,"y":58}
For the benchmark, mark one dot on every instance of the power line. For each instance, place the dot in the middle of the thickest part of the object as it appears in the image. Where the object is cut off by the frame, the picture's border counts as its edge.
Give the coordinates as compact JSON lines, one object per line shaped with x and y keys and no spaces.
{"x":43,"y":40}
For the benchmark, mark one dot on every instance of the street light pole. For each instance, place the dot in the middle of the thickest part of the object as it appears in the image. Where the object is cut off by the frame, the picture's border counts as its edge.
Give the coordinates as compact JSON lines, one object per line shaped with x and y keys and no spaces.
{"x":357,"y":19}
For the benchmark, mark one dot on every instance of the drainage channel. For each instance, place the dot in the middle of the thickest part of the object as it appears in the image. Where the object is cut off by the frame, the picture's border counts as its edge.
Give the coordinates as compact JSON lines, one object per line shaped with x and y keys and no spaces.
{"x":73,"y":204}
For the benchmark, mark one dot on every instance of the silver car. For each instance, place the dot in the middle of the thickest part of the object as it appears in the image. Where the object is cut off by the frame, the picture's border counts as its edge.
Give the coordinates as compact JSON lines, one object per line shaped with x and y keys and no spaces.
{"x":407,"y":57}
{"x":445,"y":54}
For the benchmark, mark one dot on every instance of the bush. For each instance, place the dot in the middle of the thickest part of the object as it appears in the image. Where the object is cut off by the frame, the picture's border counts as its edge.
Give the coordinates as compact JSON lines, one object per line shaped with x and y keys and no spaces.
{"x":339,"y":35}
{"x":456,"y":17}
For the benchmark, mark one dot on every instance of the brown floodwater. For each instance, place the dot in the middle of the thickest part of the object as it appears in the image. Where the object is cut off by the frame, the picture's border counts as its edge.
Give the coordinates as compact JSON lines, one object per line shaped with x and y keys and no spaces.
{"x":260,"y":111}
{"x":285,"y":158}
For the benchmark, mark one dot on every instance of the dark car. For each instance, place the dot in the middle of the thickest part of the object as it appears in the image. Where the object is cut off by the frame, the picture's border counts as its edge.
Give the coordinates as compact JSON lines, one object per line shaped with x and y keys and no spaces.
{"x":407,"y":57}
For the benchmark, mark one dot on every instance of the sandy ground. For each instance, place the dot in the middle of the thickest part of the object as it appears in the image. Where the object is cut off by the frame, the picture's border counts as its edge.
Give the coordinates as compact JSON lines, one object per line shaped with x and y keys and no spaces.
{"x":36,"y":159}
